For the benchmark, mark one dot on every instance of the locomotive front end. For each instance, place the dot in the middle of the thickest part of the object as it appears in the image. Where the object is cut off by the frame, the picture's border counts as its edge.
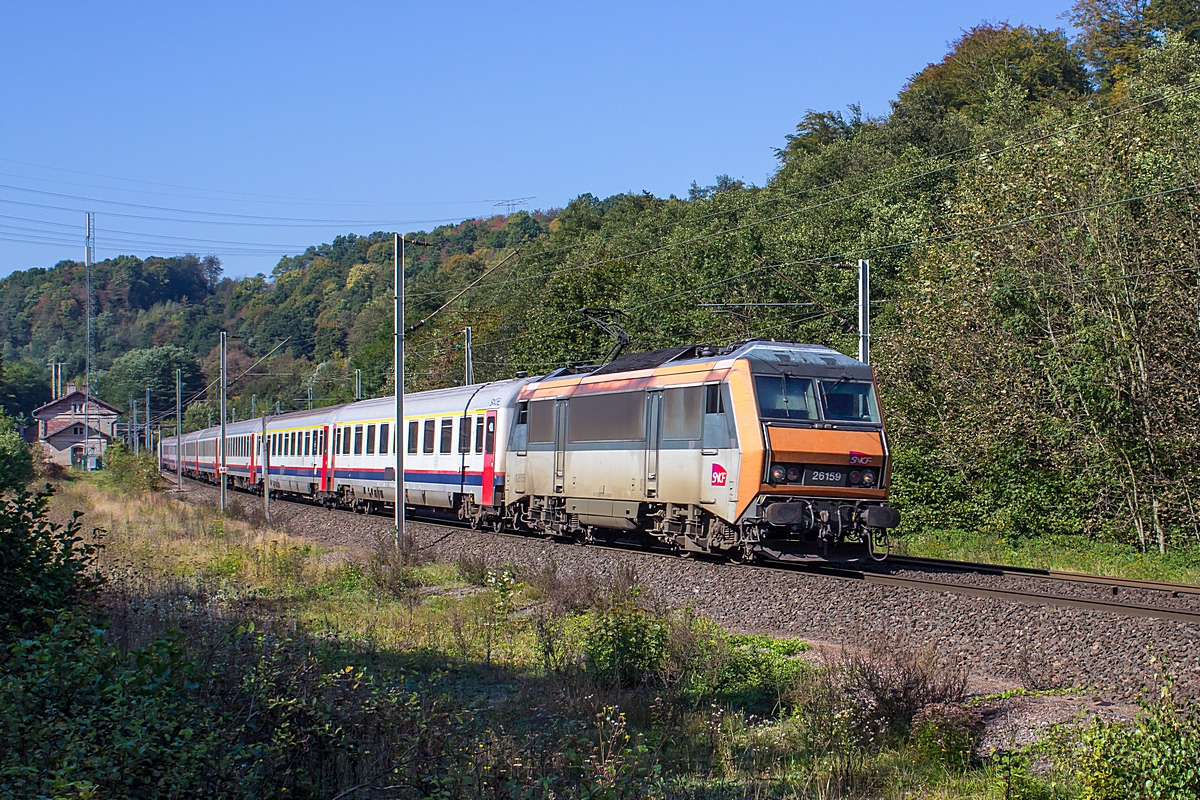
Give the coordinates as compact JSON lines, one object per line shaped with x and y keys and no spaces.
{"x":825,"y":466}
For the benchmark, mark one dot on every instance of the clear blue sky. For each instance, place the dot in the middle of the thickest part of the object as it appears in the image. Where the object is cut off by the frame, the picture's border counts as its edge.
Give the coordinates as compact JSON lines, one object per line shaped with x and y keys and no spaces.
{"x":227,"y":128}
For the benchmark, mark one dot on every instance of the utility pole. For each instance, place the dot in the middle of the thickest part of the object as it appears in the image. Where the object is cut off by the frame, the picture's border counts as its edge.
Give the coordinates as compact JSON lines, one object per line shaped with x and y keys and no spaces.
{"x":310,"y":398}
{"x":398,"y":357}
{"x":277,"y":407}
{"x":253,"y":406}
{"x":148,"y":447}
{"x":133,"y":427}
{"x":358,"y":384}
{"x":266,"y":468}
{"x":234,"y":412}
{"x":89,"y":253}
{"x":221,"y":443}
{"x":864,"y":310}
{"x":469,"y":364}
{"x":179,"y":430}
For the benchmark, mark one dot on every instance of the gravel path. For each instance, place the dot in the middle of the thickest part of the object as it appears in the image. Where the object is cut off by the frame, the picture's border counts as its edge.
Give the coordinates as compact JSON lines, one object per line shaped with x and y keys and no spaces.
{"x":1014,"y":643}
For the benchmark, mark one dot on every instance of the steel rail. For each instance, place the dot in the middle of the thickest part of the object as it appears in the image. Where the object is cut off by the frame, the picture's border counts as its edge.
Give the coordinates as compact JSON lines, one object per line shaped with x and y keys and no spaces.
{"x":827,"y":570}
{"x":1012,"y":595}
{"x":1175,"y":589}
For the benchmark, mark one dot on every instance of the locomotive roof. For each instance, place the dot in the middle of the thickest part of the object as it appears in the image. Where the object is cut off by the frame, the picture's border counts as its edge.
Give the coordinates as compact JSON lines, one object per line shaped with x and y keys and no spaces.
{"x":765,"y":356}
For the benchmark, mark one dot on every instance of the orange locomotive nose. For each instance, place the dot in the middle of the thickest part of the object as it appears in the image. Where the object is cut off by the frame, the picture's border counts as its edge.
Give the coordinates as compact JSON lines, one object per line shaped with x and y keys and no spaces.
{"x":817,"y":446}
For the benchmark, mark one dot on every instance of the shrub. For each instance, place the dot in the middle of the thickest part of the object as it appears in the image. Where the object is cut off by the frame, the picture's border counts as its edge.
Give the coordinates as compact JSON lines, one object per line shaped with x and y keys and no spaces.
{"x":129,"y":472}
{"x":472,"y":569}
{"x":391,"y":569}
{"x":1155,"y":756}
{"x":625,"y":644}
{"x":947,"y":733}
{"x":16,"y":458}
{"x":43,"y":567}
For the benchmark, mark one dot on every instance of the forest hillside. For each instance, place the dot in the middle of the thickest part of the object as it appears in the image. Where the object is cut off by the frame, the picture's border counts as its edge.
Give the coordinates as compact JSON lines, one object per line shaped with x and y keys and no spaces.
{"x":1028,"y":205}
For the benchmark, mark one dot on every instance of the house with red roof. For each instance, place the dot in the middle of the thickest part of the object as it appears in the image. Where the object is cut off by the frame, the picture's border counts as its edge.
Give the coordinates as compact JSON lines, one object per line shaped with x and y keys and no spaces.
{"x":62,"y":432}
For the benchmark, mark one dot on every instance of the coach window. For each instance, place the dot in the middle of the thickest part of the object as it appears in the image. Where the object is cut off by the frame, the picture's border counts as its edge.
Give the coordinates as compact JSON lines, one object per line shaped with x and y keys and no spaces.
{"x":479,"y":434}
{"x":430,"y":433}
{"x":682,"y":420}
{"x":307,"y":443}
{"x":464,"y":435}
{"x":346,"y":440}
{"x":412,"y":436}
{"x":383,"y":439}
{"x":447,"y":435}
{"x":541,"y":421}
{"x":618,"y":417}
{"x":295,"y":451}
{"x":370,"y":440}
{"x":358,"y":440}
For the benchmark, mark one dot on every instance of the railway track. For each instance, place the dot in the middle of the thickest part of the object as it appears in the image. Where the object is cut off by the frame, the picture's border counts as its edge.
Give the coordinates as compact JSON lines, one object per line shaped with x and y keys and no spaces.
{"x":877,"y":573}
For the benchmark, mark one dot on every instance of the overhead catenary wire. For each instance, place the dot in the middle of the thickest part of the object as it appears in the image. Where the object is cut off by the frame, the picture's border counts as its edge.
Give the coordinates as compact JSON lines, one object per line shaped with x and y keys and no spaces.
{"x":819,"y":260}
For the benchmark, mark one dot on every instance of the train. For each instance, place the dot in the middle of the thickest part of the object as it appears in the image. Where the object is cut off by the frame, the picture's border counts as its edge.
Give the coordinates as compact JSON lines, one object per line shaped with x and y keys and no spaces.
{"x":740,"y":451}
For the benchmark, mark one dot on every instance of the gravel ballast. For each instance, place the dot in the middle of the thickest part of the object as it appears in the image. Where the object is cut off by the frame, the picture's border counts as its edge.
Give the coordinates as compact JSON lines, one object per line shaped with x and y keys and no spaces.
{"x":1017,"y":643}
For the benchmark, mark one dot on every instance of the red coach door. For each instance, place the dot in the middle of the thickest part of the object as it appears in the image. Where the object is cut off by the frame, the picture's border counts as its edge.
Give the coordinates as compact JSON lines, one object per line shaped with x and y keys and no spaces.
{"x":489,"y":459}
{"x":325,"y":458}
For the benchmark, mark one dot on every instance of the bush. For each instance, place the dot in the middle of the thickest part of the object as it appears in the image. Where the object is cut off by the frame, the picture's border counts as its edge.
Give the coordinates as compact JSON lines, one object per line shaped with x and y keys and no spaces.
{"x":1156,"y":756}
{"x":43,"y":567}
{"x":16,"y":458}
{"x":625,"y":644}
{"x":129,"y":472}
{"x":947,"y":733}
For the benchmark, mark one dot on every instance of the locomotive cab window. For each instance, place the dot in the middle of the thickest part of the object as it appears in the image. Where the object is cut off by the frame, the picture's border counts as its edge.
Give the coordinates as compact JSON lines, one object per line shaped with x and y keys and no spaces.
{"x":785,"y":397}
{"x":719,"y":431}
{"x":849,"y":401}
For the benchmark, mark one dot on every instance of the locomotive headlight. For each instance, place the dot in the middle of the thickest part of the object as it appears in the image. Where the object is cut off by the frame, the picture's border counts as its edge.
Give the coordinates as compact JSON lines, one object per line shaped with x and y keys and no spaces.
{"x":856,"y":476}
{"x":778,"y":474}
{"x":868,"y":478}
{"x":793,"y":474}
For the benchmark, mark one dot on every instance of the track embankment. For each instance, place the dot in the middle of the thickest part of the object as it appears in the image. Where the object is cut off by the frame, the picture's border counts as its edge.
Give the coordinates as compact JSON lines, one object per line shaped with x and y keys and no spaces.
{"x":1026,"y":641}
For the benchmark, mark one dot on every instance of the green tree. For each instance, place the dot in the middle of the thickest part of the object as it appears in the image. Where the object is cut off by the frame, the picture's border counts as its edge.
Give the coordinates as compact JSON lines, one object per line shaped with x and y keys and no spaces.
{"x":23,"y":387}
{"x":154,"y":368}
{"x":1041,"y":63}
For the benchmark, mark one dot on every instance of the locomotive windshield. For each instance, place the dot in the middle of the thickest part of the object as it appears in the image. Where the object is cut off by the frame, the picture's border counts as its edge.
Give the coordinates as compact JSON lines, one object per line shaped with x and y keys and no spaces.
{"x":789,"y":397}
{"x":785,"y":397}
{"x":849,"y":401}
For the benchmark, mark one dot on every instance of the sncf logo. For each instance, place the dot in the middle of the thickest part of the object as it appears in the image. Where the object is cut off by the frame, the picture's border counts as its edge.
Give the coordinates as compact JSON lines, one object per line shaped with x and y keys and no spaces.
{"x":859,"y":459}
{"x":719,"y":475}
